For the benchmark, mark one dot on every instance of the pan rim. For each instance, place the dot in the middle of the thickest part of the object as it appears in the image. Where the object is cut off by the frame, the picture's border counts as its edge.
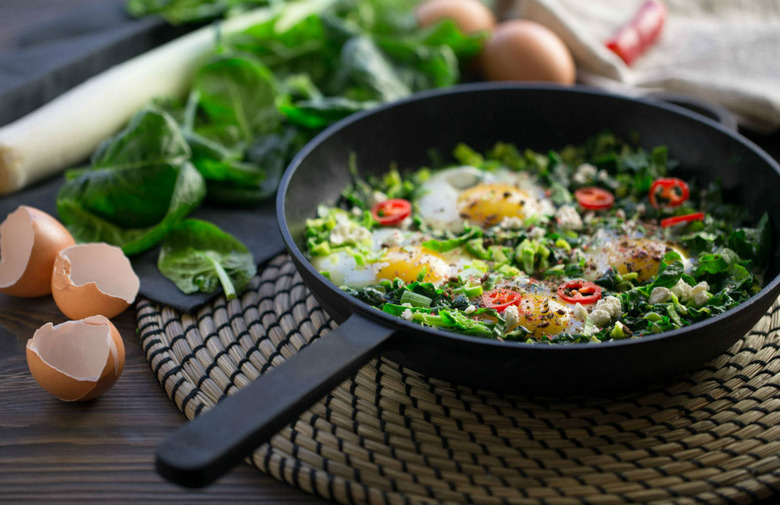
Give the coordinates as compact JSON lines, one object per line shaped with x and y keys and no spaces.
{"x":770,"y":289}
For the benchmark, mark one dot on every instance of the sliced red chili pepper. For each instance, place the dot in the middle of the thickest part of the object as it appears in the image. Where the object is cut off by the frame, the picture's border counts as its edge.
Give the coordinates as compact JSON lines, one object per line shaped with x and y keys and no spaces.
{"x":391,"y":211}
{"x":634,"y":38}
{"x":668,"y":192}
{"x":594,"y":198}
{"x":687,"y":218}
{"x":500,"y":299}
{"x":579,"y":291}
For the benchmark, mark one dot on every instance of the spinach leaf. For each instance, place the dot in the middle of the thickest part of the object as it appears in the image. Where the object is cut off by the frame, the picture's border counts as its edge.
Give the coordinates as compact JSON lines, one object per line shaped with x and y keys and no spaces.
{"x":198,"y":256}
{"x":140,"y":185}
{"x":238,"y":91}
{"x":753,"y":243}
{"x":672,"y":272}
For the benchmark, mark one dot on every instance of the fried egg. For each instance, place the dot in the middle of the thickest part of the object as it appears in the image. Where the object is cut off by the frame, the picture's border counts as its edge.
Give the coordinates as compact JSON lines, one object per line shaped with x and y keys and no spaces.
{"x":394,"y":255}
{"x":452,"y":197}
{"x":541,"y":312}
{"x":625,"y":254}
{"x":411,"y":263}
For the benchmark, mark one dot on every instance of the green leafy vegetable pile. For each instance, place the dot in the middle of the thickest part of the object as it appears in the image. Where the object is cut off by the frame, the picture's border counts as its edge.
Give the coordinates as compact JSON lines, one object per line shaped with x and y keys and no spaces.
{"x":709,"y":264}
{"x":263,"y":94}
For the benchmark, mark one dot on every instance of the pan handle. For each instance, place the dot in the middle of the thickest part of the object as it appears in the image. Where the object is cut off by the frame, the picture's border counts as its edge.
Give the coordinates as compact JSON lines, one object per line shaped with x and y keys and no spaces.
{"x":202,"y":450}
{"x":700,"y":106}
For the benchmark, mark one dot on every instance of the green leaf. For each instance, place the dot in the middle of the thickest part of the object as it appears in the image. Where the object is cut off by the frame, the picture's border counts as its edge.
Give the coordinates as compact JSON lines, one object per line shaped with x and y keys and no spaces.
{"x":151,"y":137}
{"x":670,"y":275}
{"x":198,"y":256}
{"x":753,"y":243}
{"x":238,"y":91}
{"x":140,"y":186}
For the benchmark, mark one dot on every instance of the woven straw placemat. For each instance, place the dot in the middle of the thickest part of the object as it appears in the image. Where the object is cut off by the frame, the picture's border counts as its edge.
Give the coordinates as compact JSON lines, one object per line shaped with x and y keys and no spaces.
{"x":388,"y":435}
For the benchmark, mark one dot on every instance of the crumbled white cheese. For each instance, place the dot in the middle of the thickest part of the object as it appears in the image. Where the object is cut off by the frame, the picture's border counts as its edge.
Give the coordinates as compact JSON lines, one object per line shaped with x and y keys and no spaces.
{"x":589,"y":217}
{"x":600,"y":317}
{"x":537,"y":232}
{"x":682,"y":290}
{"x":606,"y":310}
{"x":579,"y":312}
{"x":393,"y":239}
{"x":407,"y":314}
{"x":511,"y":318}
{"x":700,"y":293}
{"x":470,"y":309}
{"x":512,"y":223}
{"x":376,"y":197}
{"x":577,"y":254}
{"x":348,"y":232}
{"x":660,"y":295}
{"x":584,"y":174}
{"x":568,"y":218}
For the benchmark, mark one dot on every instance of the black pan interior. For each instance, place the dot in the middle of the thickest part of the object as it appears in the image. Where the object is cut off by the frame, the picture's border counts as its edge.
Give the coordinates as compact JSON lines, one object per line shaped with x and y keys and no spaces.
{"x":541,"y":118}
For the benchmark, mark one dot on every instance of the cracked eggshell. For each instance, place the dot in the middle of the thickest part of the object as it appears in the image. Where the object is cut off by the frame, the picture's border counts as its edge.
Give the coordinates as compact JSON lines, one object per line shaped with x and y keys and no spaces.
{"x":76,"y":360}
{"x":92,"y":279}
{"x":29,"y":242}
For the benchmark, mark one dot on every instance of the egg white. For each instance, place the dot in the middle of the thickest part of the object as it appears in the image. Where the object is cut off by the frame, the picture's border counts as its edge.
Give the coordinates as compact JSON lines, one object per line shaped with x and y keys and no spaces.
{"x":393,"y":252}
{"x":441,"y":205}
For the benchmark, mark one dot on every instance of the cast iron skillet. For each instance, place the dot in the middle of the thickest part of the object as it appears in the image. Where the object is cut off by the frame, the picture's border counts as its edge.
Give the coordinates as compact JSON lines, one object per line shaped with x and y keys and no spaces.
{"x":539,"y":117}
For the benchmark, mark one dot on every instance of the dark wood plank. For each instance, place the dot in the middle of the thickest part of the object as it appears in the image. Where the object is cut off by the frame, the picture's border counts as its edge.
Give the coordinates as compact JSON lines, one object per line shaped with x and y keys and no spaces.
{"x":17,"y":16}
{"x":100,"y":451}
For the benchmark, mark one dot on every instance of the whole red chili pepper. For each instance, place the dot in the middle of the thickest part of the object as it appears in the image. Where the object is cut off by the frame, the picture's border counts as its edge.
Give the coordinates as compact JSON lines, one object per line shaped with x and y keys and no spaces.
{"x":635,"y":37}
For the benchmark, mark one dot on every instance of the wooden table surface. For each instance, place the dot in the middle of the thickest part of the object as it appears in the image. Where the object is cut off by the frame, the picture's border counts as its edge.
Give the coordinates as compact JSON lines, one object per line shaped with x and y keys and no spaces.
{"x":101,"y":451}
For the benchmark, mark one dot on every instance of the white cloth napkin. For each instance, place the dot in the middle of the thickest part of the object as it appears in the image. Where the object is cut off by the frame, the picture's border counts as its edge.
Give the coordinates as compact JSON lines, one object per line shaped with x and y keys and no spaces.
{"x":723,"y":51}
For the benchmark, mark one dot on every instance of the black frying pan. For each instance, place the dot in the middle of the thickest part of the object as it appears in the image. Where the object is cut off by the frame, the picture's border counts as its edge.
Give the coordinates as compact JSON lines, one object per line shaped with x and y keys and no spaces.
{"x":539,"y":117}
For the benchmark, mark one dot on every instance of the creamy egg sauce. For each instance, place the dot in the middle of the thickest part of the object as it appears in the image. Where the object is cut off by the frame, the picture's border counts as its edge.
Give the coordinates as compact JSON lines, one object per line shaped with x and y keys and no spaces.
{"x":521,"y":246}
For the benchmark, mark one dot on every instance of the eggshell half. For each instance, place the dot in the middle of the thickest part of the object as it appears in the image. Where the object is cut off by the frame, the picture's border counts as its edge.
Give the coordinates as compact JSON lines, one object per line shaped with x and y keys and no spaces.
{"x":29,"y":242}
{"x":469,"y":15}
{"x":76,"y":360}
{"x":92,"y":279}
{"x":522,"y":50}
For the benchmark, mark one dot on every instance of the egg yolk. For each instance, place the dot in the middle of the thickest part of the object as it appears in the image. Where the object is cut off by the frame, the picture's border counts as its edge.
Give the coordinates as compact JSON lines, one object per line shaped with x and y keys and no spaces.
{"x":409,"y":263}
{"x":487,"y":204}
{"x":627,"y":255}
{"x":541,"y":315}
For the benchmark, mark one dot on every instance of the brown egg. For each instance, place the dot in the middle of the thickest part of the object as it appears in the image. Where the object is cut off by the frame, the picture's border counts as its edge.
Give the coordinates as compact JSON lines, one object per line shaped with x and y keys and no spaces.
{"x":92,"y":279}
{"x":76,"y":360}
{"x":469,"y":15}
{"x":522,"y":50}
{"x":29,"y":242}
